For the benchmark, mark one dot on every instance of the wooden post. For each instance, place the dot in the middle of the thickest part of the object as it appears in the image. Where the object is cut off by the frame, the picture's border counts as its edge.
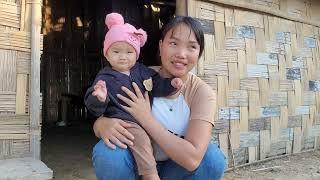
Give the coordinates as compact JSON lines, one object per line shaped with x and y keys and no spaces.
{"x":181,"y":7}
{"x":35,"y":128}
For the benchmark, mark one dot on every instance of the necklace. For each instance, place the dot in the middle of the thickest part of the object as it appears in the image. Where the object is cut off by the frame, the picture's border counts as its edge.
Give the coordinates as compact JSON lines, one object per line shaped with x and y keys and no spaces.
{"x":170,"y":103}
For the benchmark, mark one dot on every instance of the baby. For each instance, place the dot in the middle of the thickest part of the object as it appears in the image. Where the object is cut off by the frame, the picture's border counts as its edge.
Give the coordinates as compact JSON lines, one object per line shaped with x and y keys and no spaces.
{"x":121,"y":48}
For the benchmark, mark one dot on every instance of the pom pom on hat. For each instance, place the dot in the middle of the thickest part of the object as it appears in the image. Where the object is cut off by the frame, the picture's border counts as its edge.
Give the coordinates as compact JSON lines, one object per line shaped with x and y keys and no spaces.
{"x":114,"y":19}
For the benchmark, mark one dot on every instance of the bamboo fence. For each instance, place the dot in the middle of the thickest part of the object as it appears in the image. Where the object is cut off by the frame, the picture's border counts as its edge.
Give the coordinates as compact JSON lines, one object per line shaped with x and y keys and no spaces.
{"x":262,"y":58}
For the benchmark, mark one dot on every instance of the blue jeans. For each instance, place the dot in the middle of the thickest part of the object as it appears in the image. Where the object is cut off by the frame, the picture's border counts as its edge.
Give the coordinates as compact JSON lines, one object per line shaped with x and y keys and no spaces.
{"x":119,"y":164}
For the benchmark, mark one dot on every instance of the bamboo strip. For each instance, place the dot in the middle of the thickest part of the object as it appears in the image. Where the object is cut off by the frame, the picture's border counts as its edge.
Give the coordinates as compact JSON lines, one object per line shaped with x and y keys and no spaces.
{"x":8,"y":70}
{"x":250,"y":51}
{"x":22,"y":80}
{"x":22,"y":14}
{"x":14,"y":136}
{"x":220,"y":31}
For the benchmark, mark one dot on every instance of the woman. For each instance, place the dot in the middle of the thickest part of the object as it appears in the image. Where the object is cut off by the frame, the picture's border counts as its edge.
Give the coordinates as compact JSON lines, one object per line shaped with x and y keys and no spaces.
{"x":183,"y":136}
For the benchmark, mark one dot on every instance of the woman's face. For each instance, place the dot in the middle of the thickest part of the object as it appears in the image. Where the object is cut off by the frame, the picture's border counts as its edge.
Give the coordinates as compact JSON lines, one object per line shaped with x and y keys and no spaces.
{"x":179,"y":51}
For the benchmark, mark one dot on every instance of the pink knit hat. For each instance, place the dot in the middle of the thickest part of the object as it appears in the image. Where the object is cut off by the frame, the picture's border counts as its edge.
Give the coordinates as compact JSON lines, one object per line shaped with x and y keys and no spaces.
{"x":118,"y":31}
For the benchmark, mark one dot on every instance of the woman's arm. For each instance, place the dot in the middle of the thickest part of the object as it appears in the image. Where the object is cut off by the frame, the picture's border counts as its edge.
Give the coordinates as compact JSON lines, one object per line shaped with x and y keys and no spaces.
{"x":186,"y":152}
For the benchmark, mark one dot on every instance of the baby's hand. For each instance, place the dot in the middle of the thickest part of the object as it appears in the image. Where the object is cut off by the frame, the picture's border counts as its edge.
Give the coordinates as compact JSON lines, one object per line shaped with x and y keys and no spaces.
{"x":100,"y":91}
{"x":177,"y":83}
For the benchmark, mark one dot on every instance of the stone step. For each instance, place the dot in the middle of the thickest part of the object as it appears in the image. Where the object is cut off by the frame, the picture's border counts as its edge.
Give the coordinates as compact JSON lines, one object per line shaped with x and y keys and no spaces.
{"x":24,"y":169}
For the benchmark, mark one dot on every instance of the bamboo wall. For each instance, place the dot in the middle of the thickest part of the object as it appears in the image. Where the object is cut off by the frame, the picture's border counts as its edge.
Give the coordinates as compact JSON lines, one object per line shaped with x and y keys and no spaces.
{"x":15,"y":63}
{"x":266,"y":71}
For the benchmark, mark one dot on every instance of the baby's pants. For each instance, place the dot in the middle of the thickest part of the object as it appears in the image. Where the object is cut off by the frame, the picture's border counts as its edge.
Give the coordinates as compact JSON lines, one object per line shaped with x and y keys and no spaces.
{"x":142,"y":150}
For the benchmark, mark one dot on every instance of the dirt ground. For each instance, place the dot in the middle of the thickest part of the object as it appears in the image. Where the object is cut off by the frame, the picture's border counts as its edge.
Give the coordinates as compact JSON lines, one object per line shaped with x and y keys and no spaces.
{"x":67,"y":151}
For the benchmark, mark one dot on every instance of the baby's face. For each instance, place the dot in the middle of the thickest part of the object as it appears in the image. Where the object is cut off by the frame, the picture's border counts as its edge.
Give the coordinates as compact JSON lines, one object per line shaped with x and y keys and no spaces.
{"x":121,"y":56}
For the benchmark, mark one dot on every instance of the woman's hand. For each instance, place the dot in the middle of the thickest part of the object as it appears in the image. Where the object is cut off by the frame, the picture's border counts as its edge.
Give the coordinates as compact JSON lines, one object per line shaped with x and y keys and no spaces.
{"x":113,"y":132}
{"x":138,"y":104}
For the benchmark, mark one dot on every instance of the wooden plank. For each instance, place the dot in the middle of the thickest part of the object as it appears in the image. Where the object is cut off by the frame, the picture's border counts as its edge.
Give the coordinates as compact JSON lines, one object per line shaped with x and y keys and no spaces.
{"x":220,"y":34}
{"x":235,"y":43}
{"x":22,"y":81}
{"x":293,"y":73}
{"x":294,"y":121}
{"x":23,"y":63}
{"x":209,"y":49}
{"x":278,"y":98}
{"x":260,"y":124}
{"x":286,"y":134}
{"x":248,"y":18}
{"x":9,"y":15}
{"x":229,"y":113}
{"x":235,"y":134}
{"x":291,"y":103}
{"x":7,"y":102}
{"x":304,"y":52}
{"x":264,"y":143}
{"x":282,"y":67}
{"x":15,"y":40}
{"x":219,"y":13}
{"x":271,"y":111}
{"x":267,"y":58}
{"x":288,"y":55}
{"x":223,"y":141}
{"x":234,"y":81}
{"x":207,"y":25}
{"x":249,"y":139}
{"x":302,"y":110}
{"x":314,"y":85}
{"x":310,"y":42}
{"x":14,"y":129}
{"x":8,"y":70}
{"x":216,"y":68}
{"x":283,"y":37}
{"x":250,"y":51}
{"x":222,"y":89}
{"x":274,"y":78}
{"x":260,"y":71}
{"x":204,"y":10}
{"x":286,"y":85}
{"x":283,"y":116}
{"x":260,"y":39}
{"x":14,"y":136}
{"x":266,"y":28}
{"x":245,"y":32}
{"x":252,"y":154}
{"x":244,"y":119}
{"x":229,"y":17}
{"x":298,"y":92}
{"x":277,"y":148}
{"x":249,"y":84}
{"x":237,"y":98}
{"x":230,"y":56}
{"x":275,"y":129}
{"x":14,"y":119}
{"x":254,"y":104}
{"x":298,"y":62}
{"x":242,"y":64}
{"x":264,"y":91}
{"x":309,"y":98}
{"x":274,"y":47}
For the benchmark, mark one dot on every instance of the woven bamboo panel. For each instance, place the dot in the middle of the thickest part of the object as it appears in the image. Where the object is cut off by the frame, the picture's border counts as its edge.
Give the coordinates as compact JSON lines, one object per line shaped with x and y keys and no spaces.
{"x":265,"y":70}
{"x":8,"y":70}
{"x":10,"y":14}
{"x":17,"y":40}
{"x":7,"y":101}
